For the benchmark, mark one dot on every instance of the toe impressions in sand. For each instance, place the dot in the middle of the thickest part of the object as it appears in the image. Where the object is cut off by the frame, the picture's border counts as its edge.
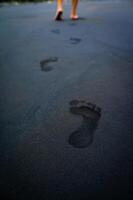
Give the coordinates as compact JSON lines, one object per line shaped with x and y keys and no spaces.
{"x":91,"y":113}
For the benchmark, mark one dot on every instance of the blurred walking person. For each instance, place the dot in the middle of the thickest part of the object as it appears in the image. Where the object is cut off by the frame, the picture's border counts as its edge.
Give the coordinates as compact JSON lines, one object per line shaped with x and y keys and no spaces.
{"x":59,"y":11}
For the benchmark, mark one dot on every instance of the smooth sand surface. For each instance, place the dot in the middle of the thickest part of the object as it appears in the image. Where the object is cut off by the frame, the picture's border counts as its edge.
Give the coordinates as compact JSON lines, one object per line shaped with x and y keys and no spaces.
{"x":48,"y":151}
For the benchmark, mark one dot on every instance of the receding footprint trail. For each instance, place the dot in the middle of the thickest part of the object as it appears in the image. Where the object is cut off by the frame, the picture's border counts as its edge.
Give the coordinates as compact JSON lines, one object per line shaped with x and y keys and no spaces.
{"x":83,"y":137}
{"x":44,"y":64}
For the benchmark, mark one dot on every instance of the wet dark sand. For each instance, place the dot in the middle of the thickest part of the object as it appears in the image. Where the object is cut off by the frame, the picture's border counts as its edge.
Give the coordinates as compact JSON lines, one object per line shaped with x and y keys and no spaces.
{"x":48,"y":149}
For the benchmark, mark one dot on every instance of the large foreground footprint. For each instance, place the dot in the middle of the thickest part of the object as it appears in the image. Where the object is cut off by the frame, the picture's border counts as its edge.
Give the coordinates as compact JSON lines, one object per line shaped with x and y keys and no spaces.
{"x":91,"y":114}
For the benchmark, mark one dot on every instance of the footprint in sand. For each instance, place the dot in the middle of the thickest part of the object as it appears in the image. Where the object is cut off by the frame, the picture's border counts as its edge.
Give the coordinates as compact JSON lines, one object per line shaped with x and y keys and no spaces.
{"x":75,"y":40}
{"x":72,"y":24}
{"x":44,"y":64}
{"x":83,"y":137}
{"x":55,"y":31}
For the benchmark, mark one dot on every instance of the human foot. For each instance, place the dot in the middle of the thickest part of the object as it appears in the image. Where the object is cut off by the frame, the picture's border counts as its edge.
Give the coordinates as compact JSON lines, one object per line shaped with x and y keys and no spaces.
{"x":74,"y":17}
{"x":58,"y":16}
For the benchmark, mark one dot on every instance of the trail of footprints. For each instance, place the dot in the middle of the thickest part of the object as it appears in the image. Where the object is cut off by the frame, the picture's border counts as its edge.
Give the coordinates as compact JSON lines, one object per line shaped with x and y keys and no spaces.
{"x":90,"y":113}
{"x":45,"y":64}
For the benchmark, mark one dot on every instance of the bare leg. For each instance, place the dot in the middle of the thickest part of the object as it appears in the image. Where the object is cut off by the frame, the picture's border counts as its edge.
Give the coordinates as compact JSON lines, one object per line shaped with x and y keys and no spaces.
{"x":59,"y":5}
{"x":59,"y":10}
{"x":74,"y":15}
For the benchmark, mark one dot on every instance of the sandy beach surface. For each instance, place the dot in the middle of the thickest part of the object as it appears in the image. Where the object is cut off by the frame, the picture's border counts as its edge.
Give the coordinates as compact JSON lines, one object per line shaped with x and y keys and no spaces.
{"x":66,"y":102}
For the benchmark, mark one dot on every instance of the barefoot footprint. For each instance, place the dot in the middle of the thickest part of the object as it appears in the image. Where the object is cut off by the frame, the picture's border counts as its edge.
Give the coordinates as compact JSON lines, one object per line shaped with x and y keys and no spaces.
{"x":75,"y":40}
{"x":56,"y":31}
{"x":44,"y":64}
{"x":91,"y":114}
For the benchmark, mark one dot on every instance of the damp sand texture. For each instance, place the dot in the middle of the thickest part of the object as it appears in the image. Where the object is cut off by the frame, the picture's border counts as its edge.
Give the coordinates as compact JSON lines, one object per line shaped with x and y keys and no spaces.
{"x":55,"y":141}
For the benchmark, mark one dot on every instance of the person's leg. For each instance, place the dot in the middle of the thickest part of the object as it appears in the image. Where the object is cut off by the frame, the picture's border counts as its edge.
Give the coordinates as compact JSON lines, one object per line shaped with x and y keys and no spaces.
{"x":74,"y":10}
{"x":59,"y":10}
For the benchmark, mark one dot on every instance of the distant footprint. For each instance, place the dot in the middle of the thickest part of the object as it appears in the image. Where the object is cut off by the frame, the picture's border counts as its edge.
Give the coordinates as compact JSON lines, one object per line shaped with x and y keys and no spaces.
{"x":56,"y":31}
{"x":83,"y":137}
{"x":44,"y":64}
{"x":75,"y":40}
{"x":74,"y":23}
